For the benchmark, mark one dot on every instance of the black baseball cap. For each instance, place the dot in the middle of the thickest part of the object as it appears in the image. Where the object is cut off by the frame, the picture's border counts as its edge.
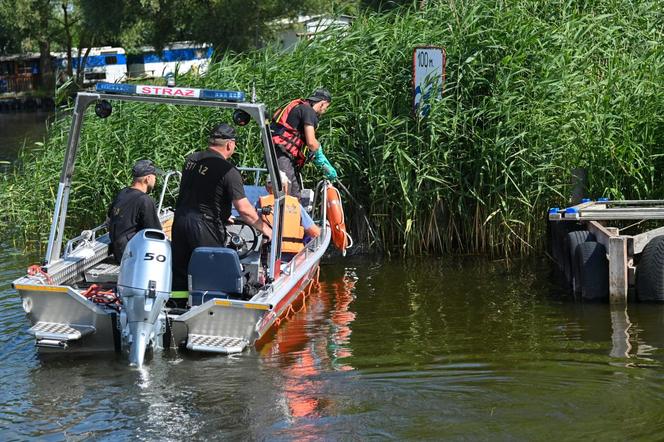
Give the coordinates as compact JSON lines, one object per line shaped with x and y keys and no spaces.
{"x":320,"y":95}
{"x":144,"y":168}
{"x":223,"y":131}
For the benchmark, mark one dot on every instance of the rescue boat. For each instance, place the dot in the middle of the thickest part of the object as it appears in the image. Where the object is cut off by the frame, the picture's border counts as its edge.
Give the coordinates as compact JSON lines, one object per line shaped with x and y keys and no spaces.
{"x":78,"y":301}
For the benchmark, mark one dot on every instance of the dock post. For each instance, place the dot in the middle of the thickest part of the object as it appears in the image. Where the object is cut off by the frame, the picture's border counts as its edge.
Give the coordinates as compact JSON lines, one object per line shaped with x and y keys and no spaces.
{"x":618,"y":282}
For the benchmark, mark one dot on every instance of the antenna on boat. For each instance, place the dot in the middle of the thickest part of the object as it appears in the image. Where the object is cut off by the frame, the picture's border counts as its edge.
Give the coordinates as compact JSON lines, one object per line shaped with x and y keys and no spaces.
{"x":361,"y":209}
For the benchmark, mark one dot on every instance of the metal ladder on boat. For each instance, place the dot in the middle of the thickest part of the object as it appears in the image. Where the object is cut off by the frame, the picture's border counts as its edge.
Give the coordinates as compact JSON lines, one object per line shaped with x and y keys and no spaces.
{"x":57,"y":335}
{"x":216,"y":344}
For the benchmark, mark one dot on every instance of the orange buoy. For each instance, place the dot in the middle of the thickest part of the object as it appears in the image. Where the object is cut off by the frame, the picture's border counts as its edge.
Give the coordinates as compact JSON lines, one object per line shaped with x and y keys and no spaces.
{"x":335,"y":216}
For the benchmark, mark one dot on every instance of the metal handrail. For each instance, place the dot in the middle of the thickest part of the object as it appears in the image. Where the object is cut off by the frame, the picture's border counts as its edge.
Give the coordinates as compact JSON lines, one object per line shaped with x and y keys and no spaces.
{"x":163,"y":190}
{"x":86,"y":236}
{"x":257,"y":173}
{"x":308,"y":248}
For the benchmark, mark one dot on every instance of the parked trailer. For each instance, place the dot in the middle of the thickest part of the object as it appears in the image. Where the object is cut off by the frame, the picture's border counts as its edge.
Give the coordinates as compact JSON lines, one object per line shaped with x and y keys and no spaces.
{"x":598,"y":261}
{"x":107,"y":64}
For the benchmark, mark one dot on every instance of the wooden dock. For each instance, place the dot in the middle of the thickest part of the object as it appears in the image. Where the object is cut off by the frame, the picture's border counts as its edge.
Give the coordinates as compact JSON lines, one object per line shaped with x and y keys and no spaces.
{"x":581,"y":234}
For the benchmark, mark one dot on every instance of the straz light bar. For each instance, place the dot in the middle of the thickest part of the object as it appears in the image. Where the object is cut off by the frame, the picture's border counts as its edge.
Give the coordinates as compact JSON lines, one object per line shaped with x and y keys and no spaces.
{"x":176,"y":92}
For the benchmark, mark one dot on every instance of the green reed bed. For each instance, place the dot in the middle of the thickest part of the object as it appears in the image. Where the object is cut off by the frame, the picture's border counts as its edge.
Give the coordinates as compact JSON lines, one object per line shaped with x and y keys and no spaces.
{"x":533,"y":90}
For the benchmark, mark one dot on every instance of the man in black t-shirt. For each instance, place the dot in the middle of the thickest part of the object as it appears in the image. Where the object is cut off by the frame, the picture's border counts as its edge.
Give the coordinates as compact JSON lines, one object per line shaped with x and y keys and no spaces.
{"x":210,"y":185}
{"x":133,"y":210}
{"x":294,"y":132}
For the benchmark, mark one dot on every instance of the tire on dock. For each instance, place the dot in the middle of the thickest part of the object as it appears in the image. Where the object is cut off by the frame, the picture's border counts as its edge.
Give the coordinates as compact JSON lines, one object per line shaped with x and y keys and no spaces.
{"x":650,"y":271}
{"x":572,"y":241}
{"x":593,"y":271}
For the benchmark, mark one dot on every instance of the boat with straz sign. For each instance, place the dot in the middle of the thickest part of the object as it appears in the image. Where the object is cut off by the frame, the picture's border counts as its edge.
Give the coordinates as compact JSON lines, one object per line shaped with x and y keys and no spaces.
{"x":79,"y":301}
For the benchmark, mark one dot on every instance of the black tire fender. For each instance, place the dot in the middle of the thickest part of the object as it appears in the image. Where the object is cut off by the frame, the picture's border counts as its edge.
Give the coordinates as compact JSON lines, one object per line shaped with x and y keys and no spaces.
{"x":573,"y":240}
{"x":650,"y":271}
{"x":593,"y":271}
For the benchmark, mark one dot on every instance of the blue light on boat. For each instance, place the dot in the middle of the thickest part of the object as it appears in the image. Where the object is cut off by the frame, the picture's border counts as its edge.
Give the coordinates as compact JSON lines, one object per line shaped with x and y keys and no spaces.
{"x":165,"y":91}
{"x":116,"y":88}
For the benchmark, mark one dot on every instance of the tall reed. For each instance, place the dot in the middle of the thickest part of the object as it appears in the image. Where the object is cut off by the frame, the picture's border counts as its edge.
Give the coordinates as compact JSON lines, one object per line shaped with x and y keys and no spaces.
{"x":532,"y":91}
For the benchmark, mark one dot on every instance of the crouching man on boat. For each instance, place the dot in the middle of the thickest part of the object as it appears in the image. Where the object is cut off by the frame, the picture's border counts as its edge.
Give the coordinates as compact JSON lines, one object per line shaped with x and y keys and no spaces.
{"x":210,"y":185}
{"x":133,"y":210}
{"x":297,"y":221}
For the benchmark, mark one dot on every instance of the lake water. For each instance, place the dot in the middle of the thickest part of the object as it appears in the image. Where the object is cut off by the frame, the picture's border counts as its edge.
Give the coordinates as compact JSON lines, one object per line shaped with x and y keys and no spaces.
{"x":424,"y":349}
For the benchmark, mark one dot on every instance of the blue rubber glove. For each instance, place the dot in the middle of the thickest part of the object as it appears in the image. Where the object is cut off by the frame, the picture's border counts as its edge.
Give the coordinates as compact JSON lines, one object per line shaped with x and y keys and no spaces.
{"x":321,"y":161}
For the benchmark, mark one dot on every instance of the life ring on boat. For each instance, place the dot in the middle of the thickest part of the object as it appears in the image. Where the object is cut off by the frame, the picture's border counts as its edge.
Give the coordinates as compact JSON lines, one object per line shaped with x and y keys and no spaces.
{"x":335,"y":216}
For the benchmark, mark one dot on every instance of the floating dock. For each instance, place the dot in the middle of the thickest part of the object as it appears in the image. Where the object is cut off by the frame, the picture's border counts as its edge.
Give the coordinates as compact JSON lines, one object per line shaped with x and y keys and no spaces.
{"x":598,"y":260}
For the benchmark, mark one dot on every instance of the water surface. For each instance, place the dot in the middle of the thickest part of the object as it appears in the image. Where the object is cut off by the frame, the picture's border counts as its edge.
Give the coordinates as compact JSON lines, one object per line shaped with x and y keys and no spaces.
{"x":426,"y":349}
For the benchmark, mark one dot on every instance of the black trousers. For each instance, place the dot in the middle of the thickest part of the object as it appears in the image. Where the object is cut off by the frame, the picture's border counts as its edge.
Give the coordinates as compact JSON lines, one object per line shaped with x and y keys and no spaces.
{"x":285,"y":164}
{"x":191,"y":230}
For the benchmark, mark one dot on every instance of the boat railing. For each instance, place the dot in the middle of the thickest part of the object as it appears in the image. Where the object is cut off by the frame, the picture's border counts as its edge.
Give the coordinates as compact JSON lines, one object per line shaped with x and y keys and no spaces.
{"x":303,"y":255}
{"x":165,"y":188}
{"x":258,"y":171}
{"x":86,"y":238}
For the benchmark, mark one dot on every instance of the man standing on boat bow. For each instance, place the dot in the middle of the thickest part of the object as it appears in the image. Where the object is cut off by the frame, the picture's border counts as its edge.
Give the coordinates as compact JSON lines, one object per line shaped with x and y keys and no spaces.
{"x":294,"y":133}
{"x":210,"y":185}
{"x":133,"y":210}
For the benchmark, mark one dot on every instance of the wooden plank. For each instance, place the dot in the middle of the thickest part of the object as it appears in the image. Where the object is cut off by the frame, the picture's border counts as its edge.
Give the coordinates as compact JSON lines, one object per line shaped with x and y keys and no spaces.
{"x":634,"y":202}
{"x":618,"y":270}
{"x":642,"y":239}
{"x":613,"y":216}
{"x":602,"y":234}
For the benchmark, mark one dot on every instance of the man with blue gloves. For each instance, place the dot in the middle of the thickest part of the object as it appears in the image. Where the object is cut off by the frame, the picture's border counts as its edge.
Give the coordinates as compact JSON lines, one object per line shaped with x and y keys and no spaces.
{"x":294,"y":134}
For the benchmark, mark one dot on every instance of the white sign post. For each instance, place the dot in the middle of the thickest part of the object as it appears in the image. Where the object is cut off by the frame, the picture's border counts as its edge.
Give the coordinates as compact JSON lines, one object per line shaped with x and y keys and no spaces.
{"x":428,"y":77}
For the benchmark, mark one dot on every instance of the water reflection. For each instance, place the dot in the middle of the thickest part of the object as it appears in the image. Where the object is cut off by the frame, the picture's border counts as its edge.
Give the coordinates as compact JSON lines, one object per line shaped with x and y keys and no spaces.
{"x":620,"y":326}
{"x":313,"y":342}
{"x":19,"y":128}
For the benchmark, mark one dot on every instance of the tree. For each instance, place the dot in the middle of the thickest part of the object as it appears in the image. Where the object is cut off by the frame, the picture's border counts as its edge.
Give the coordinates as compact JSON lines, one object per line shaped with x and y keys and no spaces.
{"x":32,"y":21}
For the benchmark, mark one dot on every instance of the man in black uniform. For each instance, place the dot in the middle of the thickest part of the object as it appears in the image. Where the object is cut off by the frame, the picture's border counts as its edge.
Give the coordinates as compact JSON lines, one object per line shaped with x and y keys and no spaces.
{"x":133,"y":210}
{"x":210,"y":184}
{"x":294,"y":131}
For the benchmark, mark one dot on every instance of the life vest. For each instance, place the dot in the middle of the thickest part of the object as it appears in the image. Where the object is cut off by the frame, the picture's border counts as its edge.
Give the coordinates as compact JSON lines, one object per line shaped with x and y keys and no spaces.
{"x":292,"y":231}
{"x":288,"y":137}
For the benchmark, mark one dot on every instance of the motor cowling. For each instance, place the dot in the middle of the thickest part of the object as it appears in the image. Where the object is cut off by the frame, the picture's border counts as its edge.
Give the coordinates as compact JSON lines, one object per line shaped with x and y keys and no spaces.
{"x":144,"y":286}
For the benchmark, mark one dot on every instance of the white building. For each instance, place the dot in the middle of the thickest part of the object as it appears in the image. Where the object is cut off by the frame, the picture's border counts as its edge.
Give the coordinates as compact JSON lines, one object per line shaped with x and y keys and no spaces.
{"x":291,"y":31}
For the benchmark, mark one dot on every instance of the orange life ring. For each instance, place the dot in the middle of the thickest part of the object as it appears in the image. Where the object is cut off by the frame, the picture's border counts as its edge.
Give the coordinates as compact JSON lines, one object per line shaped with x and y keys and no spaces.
{"x":335,"y":215}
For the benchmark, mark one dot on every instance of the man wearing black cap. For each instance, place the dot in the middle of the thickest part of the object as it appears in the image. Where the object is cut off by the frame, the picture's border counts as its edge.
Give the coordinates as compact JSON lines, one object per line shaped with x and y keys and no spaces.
{"x":133,"y":210}
{"x":210,"y":185}
{"x":294,"y":132}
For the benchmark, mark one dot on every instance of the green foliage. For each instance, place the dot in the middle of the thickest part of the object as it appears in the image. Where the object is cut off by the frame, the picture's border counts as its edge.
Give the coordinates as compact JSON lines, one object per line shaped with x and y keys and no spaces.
{"x":531,"y":92}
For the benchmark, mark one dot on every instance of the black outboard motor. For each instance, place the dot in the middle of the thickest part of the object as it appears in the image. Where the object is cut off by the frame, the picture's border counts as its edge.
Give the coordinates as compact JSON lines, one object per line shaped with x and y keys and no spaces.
{"x":144,"y":285}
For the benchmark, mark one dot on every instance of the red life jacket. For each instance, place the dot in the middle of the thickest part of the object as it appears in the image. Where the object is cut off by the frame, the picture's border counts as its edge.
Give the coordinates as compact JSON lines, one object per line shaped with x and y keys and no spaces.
{"x":287,"y":137}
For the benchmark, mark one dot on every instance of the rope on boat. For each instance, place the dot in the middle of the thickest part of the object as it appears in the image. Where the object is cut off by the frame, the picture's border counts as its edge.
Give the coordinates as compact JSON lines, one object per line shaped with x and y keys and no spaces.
{"x":290,"y":310}
{"x":106,"y":297}
{"x":36,"y":270}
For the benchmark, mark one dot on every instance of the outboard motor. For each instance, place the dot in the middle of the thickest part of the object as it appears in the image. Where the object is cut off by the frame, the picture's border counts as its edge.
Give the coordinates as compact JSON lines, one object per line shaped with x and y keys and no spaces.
{"x":144,"y":285}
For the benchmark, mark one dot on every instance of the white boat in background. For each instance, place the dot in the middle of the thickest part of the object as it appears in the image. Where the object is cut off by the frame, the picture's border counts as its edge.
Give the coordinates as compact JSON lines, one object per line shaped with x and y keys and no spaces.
{"x":78,"y":301}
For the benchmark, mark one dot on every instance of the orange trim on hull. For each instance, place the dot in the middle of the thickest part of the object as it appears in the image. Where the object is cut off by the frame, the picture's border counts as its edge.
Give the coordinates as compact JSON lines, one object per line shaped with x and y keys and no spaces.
{"x":268,"y":331}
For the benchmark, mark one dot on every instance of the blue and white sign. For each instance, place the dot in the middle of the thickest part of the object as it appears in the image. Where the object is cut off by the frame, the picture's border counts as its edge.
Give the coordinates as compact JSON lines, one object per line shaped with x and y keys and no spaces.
{"x":428,"y":77}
